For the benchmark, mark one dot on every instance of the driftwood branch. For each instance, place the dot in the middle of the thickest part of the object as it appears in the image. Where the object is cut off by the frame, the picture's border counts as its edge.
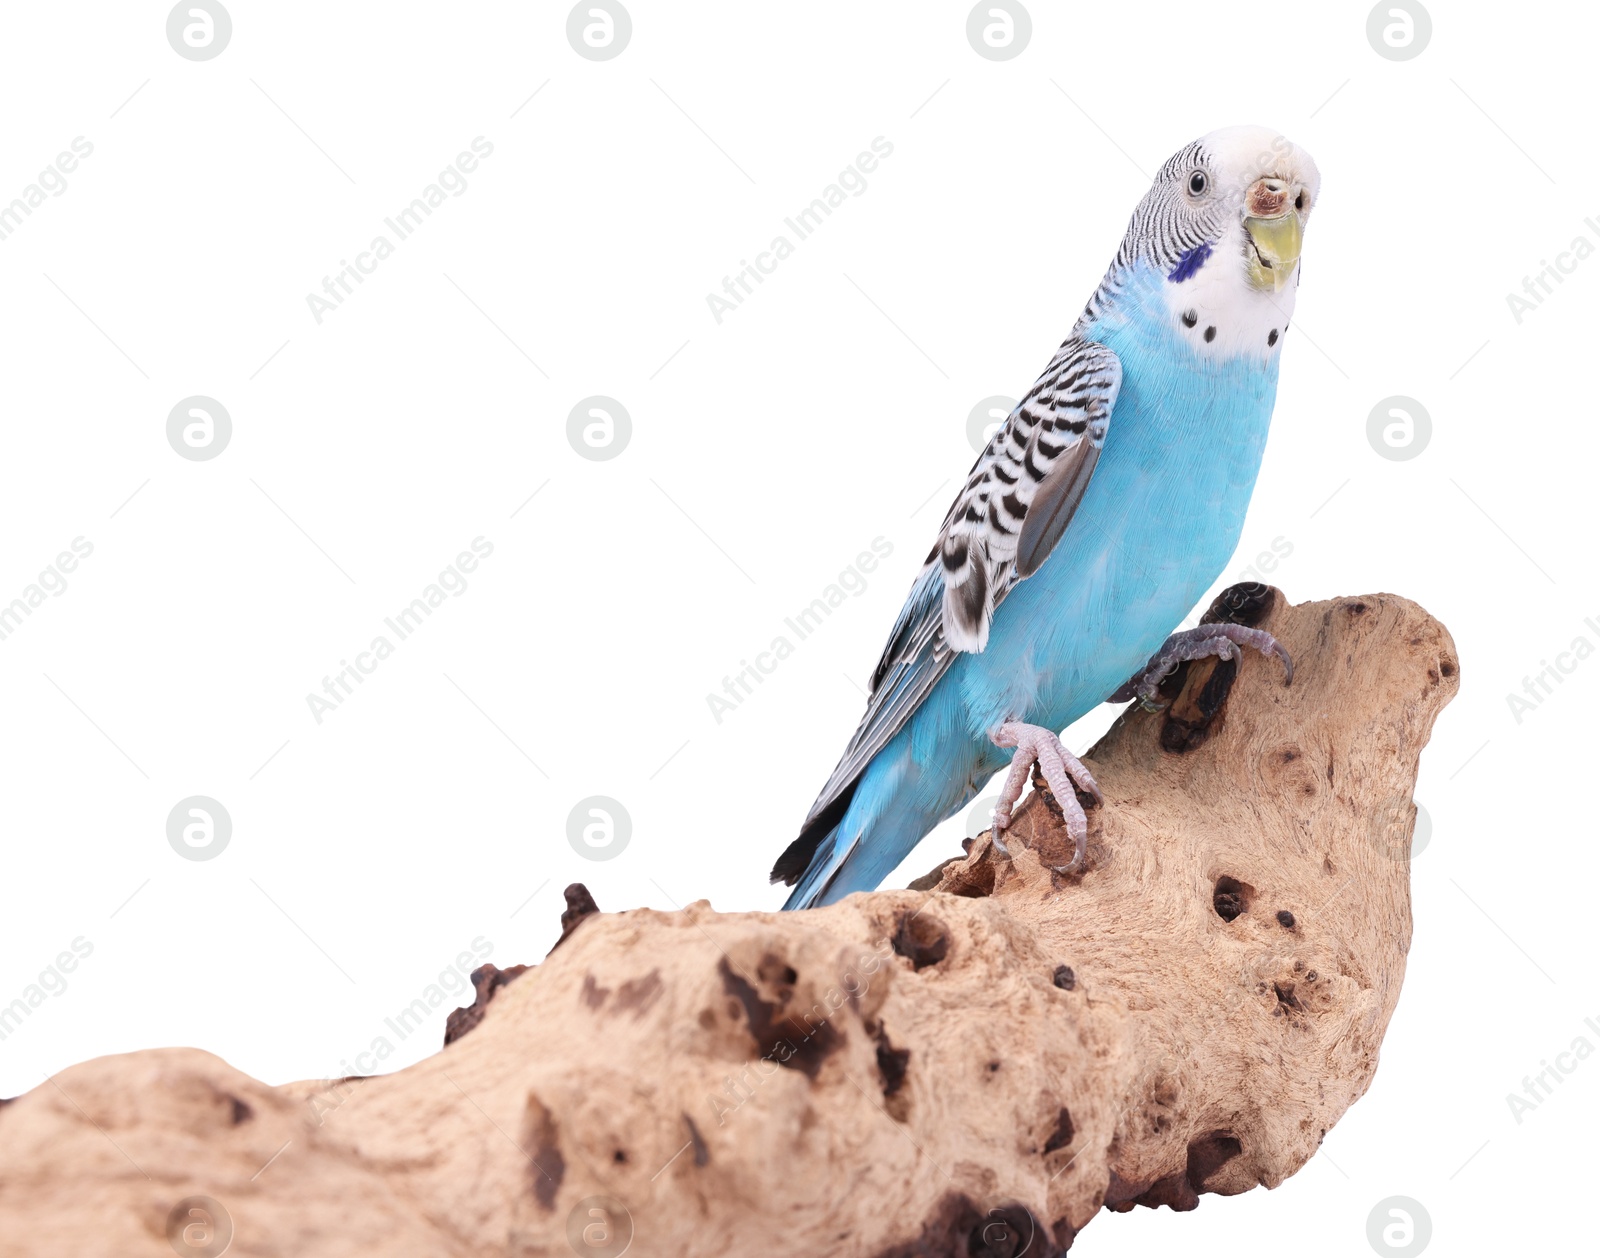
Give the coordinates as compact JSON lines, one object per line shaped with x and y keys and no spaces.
{"x":974,"y":1066}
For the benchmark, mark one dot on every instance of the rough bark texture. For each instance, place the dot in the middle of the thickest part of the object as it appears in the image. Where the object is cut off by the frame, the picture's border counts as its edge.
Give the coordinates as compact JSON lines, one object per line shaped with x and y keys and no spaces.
{"x":972,"y":1068}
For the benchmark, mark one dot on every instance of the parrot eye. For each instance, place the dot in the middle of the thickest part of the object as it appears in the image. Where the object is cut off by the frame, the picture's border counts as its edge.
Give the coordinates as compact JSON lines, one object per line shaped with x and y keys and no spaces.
{"x":1300,"y":201}
{"x":1198,"y":183}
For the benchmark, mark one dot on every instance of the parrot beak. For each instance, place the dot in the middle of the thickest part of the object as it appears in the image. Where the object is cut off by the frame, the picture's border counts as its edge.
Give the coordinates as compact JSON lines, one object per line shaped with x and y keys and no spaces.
{"x":1273,"y":221}
{"x":1275,"y":250}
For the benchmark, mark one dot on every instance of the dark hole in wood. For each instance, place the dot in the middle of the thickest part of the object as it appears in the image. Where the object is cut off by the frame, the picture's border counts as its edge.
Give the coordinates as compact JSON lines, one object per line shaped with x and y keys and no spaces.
{"x":921,"y":939}
{"x":892,"y":1064}
{"x":1231,"y":898}
{"x":1062,"y":1136}
{"x":1244,"y":604}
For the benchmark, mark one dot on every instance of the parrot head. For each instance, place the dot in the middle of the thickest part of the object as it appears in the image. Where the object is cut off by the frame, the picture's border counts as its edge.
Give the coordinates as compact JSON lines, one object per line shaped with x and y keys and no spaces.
{"x":1255,"y":189}
{"x":1222,"y":225}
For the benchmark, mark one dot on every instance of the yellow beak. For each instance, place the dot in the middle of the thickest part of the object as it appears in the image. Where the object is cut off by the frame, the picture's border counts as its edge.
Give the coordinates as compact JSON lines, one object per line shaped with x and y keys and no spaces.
{"x":1275,"y":250}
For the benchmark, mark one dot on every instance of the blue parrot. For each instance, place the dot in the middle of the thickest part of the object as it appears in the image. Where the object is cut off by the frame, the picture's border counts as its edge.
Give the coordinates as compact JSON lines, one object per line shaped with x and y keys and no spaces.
{"x":1098,"y":515}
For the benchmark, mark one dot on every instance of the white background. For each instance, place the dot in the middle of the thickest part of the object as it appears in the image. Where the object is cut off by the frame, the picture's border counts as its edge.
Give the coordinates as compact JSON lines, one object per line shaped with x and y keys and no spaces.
{"x":767,"y":452}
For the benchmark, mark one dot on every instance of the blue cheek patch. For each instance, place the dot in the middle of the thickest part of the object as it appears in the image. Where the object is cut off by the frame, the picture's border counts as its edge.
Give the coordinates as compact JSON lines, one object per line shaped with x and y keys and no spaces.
{"x":1189,"y":261}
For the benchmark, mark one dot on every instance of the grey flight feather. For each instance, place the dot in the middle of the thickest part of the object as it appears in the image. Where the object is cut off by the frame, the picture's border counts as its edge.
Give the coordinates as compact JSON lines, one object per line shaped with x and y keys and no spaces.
{"x":1054,"y":506}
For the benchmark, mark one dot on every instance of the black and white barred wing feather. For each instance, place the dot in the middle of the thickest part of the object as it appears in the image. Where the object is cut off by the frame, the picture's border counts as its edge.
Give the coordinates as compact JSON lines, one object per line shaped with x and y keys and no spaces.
{"x":1015,"y":506}
{"x":1024,"y":488}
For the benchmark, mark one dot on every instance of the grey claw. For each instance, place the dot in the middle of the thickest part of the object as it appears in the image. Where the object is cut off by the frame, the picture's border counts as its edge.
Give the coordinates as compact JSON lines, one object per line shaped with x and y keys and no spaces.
{"x":1224,"y":641}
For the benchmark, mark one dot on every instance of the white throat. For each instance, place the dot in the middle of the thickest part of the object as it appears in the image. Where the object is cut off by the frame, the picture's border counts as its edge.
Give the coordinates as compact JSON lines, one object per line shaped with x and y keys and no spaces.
{"x":1221,"y":314}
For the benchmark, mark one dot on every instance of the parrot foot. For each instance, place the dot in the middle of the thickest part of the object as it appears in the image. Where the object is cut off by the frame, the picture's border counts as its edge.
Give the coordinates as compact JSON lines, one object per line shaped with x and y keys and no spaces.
{"x":1199,"y":643}
{"x":1062,"y":770}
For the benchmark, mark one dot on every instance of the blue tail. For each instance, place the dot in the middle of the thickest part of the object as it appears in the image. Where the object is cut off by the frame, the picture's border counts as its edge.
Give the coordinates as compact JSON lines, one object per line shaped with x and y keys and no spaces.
{"x":825,"y":868}
{"x":893,"y":805}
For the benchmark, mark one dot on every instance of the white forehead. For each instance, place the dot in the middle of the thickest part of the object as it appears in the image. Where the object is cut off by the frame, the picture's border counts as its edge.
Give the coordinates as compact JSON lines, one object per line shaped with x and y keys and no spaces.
{"x":1242,"y":155}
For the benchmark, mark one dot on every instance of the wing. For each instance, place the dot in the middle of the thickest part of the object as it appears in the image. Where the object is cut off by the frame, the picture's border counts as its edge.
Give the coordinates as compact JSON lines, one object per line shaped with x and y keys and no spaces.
{"x":1024,"y":488}
{"x":1014,"y":508}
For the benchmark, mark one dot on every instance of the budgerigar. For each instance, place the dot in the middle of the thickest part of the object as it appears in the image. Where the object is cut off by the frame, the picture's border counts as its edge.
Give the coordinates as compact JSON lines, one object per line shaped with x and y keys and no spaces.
{"x":1098,"y":515}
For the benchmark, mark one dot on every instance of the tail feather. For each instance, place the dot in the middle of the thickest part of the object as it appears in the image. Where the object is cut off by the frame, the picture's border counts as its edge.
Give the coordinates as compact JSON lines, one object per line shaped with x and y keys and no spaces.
{"x":828,"y":860}
{"x":893,"y":804}
{"x":800,"y":855}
